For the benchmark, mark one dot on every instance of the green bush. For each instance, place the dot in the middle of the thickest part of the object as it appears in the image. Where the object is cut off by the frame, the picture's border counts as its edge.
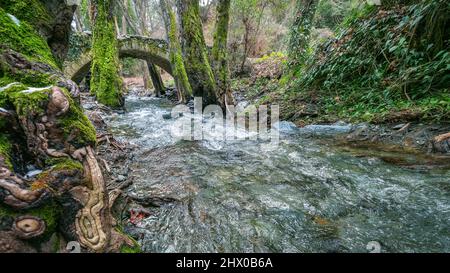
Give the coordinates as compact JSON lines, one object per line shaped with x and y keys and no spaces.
{"x":383,"y":61}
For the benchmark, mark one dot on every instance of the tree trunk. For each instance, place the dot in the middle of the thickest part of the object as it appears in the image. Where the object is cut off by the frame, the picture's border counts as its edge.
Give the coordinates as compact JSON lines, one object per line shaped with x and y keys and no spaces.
{"x":116,"y":24}
{"x":79,"y":22}
{"x":183,"y":86}
{"x":124,"y":18}
{"x":195,"y":53}
{"x":46,"y":126}
{"x":142,"y":9}
{"x":156,"y":80}
{"x":106,"y":83}
{"x":246,"y":39}
{"x":300,"y":30}
{"x":219,"y":54}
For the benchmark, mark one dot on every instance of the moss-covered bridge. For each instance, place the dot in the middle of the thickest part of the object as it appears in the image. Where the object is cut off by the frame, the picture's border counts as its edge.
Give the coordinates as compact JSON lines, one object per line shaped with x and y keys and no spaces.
{"x":154,"y":51}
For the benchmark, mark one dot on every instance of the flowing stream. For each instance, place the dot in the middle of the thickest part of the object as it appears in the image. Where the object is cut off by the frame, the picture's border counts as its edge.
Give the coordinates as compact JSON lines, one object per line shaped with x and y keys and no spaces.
{"x":305,"y":196}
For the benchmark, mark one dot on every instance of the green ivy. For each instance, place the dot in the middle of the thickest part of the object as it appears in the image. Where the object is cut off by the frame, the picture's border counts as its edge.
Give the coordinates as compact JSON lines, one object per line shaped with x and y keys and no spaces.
{"x":382,"y":61}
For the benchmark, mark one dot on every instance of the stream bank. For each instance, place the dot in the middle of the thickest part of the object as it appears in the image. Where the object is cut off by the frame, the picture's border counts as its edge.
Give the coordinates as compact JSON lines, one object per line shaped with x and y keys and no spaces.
{"x":402,"y":131}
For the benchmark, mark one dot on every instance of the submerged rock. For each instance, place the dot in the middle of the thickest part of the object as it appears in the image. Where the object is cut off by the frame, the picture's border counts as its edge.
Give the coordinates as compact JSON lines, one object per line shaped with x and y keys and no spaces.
{"x":286,"y":127}
{"x":327,"y":129}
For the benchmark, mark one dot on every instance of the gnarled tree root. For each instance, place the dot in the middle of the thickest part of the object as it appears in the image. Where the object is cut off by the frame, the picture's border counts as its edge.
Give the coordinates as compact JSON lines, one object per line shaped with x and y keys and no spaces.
{"x":93,"y":219}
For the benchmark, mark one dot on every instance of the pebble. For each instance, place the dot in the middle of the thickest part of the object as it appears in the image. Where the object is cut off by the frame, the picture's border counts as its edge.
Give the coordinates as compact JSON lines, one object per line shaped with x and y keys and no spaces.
{"x":167,"y":116}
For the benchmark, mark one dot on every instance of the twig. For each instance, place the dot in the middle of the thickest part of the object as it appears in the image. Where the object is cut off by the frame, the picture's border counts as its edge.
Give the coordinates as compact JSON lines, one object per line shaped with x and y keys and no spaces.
{"x":442,"y":137}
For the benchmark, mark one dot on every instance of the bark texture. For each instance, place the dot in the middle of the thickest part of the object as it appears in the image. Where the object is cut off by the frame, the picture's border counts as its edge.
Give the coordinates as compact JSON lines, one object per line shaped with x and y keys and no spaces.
{"x":184,"y":88}
{"x":219,"y":54}
{"x":51,"y":18}
{"x":42,"y":124}
{"x":195,"y":53}
{"x":156,"y":79}
{"x":106,"y":82}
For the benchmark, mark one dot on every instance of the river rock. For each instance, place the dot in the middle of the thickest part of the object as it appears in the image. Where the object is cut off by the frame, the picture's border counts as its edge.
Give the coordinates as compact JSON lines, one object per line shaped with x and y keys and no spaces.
{"x":286,"y":127}
{"x":327,"y":129}
{"x":167,"y":116}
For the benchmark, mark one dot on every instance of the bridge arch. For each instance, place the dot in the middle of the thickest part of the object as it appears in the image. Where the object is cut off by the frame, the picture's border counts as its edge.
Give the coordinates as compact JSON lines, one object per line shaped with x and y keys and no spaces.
{"x":153,"y":51}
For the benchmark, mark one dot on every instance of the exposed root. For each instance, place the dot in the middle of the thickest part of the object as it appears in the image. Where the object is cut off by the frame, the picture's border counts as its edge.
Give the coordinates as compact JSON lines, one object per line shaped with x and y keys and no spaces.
{"x":58,"y":104}
{"x":113,"y":195}
{"x":108,"y":169}
{"x":442,"y":137}
{"x":17,"y":196}
{"x":27,"y":227}
{"x":92,"y":222}
{"x":110,"y":140}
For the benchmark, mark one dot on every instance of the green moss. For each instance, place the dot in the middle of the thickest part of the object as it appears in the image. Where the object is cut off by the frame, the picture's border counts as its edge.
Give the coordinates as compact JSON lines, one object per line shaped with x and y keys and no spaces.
{"x":219,"y":52}
{"x":5,"y":81}
{"x":76,"y":122}
{"x":379,"y":70}
{"x":26,"y":77}
{"x":106,"y":82}
{"x":73,"y":123}
{"x":31,"y":11}
{"x":195,"y":53}
{"x":131,"y":250}
{"x":64,"y":164}
{"x":179,"y":70}
{"x":25,"y":102}
{"x":49,"y":213}
{"x":5,"y":150}
{"x":24,"y":39}
{"x":136,"y":248}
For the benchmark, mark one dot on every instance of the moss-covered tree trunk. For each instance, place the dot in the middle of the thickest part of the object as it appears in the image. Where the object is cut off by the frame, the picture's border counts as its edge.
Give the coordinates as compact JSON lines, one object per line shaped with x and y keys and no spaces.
{"x":62,"y":197}
{"x":219,"y":53}
{"x":195,"y":53}
{"x":184,"y":88}
{"x":51,"y":18}
{"x":300,"y":30}
{"x":106,"y":83}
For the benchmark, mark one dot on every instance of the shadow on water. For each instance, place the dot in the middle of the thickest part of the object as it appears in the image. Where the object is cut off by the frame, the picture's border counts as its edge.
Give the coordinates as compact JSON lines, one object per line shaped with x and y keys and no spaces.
{"x":303,"y":196}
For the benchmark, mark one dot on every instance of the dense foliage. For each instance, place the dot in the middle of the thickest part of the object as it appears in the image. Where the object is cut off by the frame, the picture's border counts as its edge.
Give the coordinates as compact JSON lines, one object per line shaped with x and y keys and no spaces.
{"x":384,"y":60}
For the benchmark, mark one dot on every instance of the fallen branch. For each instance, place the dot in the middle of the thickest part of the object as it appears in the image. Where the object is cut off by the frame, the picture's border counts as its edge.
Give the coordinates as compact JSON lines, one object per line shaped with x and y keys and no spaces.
{"x":152,"y":201}
{"x":442,"y":137}
{"x":109,"y":138}
{"x":106,"y":165}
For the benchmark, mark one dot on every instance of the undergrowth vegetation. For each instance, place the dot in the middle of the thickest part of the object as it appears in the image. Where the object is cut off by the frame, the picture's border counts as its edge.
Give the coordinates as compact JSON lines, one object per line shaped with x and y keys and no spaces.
{"x":385,"y":65}
{"x":385,"y":61}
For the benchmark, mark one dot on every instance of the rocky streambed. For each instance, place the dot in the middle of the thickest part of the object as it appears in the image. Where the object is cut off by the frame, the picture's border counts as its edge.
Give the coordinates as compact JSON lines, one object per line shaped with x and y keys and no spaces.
{"x":324,"y":189}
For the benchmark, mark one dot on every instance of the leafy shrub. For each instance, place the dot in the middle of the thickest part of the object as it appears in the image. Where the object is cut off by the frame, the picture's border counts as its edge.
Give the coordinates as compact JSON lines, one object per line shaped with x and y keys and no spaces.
{"x":383,"y":61}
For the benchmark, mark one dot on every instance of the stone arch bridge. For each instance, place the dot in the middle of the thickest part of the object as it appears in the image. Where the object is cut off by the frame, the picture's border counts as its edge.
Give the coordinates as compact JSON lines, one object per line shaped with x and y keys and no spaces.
{"x":153,"y":51}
